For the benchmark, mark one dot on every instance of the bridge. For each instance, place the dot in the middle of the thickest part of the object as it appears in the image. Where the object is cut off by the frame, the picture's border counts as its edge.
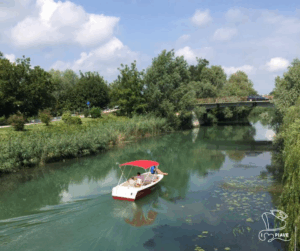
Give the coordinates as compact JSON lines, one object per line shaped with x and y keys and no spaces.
{"x":235,"y":104}
{"x":233,"y":101}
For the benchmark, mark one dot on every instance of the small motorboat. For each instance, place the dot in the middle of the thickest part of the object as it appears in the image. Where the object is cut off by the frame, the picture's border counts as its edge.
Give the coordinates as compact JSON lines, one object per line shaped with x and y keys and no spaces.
{"x":132,"y":190}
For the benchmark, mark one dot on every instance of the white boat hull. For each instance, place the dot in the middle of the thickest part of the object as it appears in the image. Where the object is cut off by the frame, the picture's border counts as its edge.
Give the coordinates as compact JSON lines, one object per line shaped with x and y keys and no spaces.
{"x":125,"y":191}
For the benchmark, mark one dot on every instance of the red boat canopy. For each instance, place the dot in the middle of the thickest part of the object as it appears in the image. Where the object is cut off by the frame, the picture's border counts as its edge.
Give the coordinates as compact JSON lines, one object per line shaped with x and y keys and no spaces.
{"x":141,"y":163}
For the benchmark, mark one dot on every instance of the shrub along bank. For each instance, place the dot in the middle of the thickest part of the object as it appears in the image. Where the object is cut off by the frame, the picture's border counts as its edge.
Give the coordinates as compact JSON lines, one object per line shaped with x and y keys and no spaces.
{"x":60,"y":141}
{"x":286,"y":157}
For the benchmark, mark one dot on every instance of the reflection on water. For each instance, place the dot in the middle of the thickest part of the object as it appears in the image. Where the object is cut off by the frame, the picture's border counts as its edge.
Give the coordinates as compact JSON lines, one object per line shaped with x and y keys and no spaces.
{"x":71,"y":202}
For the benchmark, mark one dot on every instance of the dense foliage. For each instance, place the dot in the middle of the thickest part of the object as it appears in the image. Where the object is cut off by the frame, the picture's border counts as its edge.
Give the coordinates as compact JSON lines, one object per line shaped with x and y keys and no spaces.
{"x":127,"y":91}
{"x":70,"y":120}
{"x":3,"y":121}
{"x":95,"y":112}
{"x":238,"y":85}
{"x":86,"y":113}
{"x":168,"y":88}
{"x":17,"y":121}
{"x":286,"y":161}
{"x":45,"y":117}
{"x":24,"y":89}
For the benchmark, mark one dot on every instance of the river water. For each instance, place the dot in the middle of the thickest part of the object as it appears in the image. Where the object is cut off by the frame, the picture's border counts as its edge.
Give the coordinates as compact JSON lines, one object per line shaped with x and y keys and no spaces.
{"x":209,"y":201}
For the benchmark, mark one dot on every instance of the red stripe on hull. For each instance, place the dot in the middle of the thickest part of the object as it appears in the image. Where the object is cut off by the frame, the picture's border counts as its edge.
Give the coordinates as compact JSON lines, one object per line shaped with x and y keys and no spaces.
{"x":121,"y":198}
{"x":139,"y":195}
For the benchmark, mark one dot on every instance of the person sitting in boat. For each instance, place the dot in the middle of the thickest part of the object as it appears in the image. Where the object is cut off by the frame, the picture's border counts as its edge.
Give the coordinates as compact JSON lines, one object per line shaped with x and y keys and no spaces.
{"x":141,"y":180}
{"x":136,"y":180}
{"x":155,"y":170}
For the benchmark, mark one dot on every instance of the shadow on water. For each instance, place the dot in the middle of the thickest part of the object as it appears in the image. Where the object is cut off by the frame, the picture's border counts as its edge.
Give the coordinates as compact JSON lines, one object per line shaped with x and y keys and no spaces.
{"x":185,"y":210}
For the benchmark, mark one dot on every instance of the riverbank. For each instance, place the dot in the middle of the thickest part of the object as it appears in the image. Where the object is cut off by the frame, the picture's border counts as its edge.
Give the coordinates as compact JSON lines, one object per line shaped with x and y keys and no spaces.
{"x":59,"y":141}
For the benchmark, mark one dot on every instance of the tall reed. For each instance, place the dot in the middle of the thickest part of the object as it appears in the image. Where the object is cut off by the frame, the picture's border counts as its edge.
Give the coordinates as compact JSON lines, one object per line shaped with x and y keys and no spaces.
{"x":41,"y":145}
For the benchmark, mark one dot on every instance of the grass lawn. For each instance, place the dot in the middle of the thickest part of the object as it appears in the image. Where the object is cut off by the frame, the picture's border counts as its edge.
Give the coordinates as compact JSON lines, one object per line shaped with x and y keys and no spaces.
{"x":42,"y":126}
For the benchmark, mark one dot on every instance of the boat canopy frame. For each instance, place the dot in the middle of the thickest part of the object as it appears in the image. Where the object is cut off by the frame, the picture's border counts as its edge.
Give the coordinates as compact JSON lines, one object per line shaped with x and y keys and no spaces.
{"x":145,"y":164}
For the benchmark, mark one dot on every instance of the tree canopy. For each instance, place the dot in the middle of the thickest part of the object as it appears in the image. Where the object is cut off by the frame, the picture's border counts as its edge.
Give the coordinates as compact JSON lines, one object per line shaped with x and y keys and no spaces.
{"x":169,"y":88}
{"x":127,"y":91}
{"x":166,"y":88}
{"x":24,"y":89}
{"x":93,"y":88}
{"x":239,"y":85}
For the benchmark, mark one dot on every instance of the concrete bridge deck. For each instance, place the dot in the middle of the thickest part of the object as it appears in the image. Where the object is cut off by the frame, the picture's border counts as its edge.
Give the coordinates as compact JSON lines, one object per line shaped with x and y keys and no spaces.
{"x":234,"y":104}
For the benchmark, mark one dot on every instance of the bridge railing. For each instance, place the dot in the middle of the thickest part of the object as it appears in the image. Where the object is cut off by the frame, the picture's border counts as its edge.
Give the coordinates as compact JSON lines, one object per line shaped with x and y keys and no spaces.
{"x":226,"y":99}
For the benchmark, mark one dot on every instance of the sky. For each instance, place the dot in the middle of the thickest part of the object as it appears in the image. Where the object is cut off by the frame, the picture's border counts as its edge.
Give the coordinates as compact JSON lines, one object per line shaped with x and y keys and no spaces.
{"x":260,"y":38}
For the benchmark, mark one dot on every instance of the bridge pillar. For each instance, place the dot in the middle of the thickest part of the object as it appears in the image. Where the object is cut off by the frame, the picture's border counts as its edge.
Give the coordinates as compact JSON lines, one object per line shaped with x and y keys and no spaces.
{"x":195,"y":121}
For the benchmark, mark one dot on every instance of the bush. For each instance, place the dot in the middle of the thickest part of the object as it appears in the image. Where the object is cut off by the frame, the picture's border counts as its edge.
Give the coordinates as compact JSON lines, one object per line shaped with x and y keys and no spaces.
{"x":45,"y":117}
{"x":3,"y":121}
{"x":86,"y":113}
{"x":68,"y":119}
{"x":95,"y":112}
{"x":76,"y":121}
{"x":17,"y":121}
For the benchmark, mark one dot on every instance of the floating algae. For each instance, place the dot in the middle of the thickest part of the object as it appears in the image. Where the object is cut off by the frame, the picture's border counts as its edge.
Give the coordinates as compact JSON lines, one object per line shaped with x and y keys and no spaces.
{"x":204,"y":232}
{"x":249,"y":220}
{"x":238,"y":231}
{"x":227,"y":248}
{"x":197,"y":248}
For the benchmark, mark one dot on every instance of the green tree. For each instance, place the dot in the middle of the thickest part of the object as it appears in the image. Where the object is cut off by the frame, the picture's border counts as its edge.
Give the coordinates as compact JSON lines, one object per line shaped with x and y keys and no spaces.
{"x":95,"y":112}
{"x":166,"y":87}
{"x":204,"y":89}
{"x":7,"y":87}
{"x":214,"y":75}
{"x":65,"y":95}
{"x":45,"y":117}
{"x":127,"y":91}
{"x":17,"y":121}
{"x":93,"y":88}
{"x":196,"y":70}
{"x":285,"y":160}
{"x":24,"y":89}
{"x":238,"y":84}
{"x":286,"y":92}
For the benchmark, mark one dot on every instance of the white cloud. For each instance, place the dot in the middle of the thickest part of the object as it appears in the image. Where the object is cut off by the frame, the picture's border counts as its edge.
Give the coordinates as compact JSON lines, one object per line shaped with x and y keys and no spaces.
{"x":187,"y":52}
{"x":184,"y":38}
{"x":201,"y":18}
{"x":97,"y":29}
{"x":10,"y":57}
{"x":12,"y":11}
{"x":225,"y":34}
{"x":236,"y":16}
{"x":245,"y":68}
{"x":190,"y":54}
{"x":104,"y":59}
{"x":277,"y":64}
{"x":284,"y":25}
{"x":62,"y":22}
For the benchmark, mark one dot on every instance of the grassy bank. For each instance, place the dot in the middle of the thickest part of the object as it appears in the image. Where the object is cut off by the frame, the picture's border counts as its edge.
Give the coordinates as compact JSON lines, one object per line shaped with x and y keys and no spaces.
{"x":40,"y":144}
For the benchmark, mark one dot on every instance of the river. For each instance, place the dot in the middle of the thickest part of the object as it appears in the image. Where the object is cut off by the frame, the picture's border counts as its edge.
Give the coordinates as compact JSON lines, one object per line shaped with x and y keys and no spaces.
{"x":209,"y":200}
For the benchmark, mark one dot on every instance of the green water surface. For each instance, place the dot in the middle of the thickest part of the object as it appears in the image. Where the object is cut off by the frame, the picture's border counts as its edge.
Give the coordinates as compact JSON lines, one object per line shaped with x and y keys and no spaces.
{"x":68,"y":205}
